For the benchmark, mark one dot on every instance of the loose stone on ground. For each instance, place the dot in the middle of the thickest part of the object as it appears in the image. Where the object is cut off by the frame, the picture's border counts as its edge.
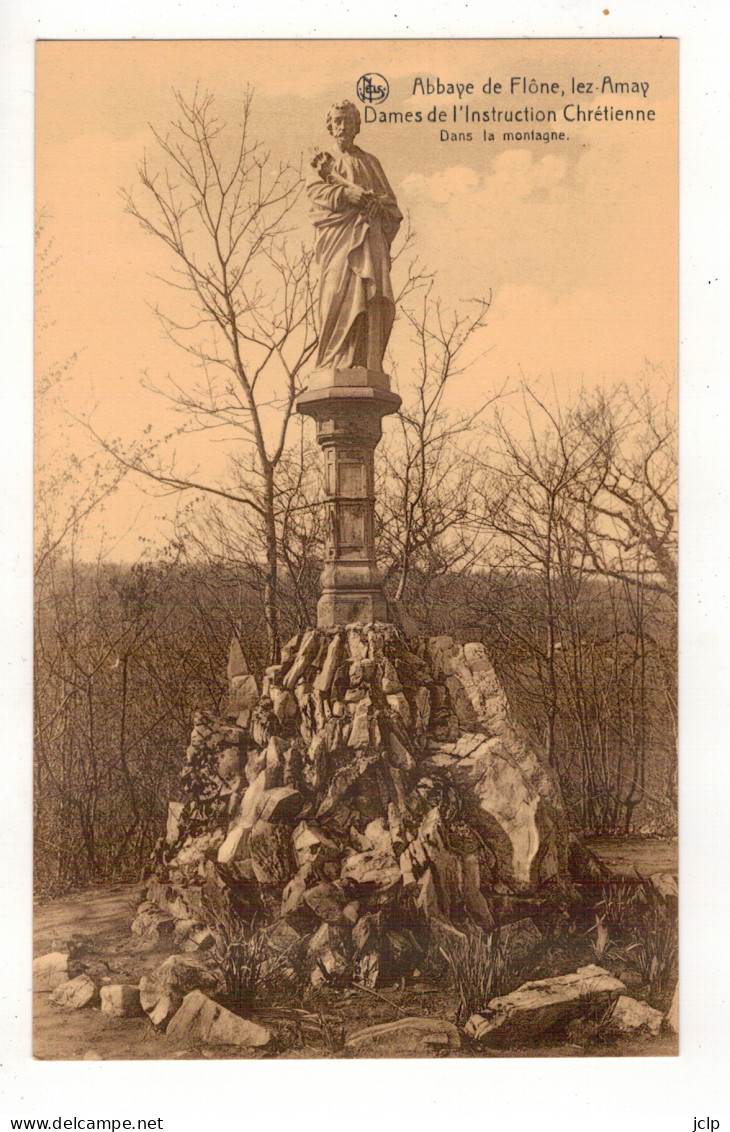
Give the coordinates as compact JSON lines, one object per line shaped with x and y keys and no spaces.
{"x":200,"y":1020}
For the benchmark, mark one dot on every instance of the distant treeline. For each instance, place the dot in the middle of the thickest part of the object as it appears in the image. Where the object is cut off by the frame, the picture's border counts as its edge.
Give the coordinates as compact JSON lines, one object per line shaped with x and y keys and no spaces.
{"x":125,"y":655}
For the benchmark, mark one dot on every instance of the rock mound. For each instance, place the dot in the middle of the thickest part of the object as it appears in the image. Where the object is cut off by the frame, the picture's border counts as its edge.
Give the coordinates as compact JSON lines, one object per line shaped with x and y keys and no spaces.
{"x":373,"y":786}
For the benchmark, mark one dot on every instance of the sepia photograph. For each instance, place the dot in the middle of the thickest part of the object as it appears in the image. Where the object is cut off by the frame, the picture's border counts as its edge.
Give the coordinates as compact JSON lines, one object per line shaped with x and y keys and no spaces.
{"x":356,"y":552}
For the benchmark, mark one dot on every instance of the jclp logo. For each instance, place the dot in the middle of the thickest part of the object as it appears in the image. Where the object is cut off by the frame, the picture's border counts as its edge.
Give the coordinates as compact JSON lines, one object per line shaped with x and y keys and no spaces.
{"x":372,"y":88}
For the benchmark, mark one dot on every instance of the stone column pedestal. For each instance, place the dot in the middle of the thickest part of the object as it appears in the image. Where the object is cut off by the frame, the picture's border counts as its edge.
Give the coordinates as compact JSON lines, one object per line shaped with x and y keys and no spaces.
{"x":348,"y":406}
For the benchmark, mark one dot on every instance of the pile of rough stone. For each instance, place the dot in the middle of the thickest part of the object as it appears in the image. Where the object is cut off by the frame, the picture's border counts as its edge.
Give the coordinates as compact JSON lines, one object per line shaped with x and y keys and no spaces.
{"x":374,"y":795}
{"x":172,"y":996}
{"x":176,"y":998}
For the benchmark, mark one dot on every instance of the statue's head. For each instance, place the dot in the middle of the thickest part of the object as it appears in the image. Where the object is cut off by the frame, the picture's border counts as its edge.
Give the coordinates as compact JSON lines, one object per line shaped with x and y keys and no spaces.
{"x":343,"y":121}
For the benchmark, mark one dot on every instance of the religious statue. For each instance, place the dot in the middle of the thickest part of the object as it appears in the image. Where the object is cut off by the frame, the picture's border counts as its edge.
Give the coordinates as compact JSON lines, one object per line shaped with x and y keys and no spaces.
{"x":356,"y":217}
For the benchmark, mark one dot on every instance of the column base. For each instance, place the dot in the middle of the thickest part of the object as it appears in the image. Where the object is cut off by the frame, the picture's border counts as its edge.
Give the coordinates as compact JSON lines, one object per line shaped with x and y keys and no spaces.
{"x":337,"y":607}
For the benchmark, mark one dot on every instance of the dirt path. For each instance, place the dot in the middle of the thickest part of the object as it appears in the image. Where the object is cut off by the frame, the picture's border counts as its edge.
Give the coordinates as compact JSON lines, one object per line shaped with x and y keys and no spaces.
{"x":103,"y":916}
{"x":101,"y":912}
{"x":646,"y":855}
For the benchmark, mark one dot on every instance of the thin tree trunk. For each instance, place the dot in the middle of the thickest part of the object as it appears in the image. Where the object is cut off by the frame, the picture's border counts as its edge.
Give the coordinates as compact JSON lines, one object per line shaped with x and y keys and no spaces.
{"x":271,"y":581}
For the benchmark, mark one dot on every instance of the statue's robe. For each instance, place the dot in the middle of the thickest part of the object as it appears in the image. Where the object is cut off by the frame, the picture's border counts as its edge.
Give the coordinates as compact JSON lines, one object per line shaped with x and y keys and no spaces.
{"x":356,"y":307}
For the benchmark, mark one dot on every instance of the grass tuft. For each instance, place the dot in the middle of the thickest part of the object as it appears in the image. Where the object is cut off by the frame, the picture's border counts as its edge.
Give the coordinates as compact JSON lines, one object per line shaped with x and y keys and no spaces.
{"x":478,"y":965}
{"x":248,"y":964}
{"x":656,"y":952}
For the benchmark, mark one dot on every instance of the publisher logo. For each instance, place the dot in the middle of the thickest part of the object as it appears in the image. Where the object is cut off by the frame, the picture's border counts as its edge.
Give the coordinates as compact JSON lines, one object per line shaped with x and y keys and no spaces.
{"x":372,"y":88}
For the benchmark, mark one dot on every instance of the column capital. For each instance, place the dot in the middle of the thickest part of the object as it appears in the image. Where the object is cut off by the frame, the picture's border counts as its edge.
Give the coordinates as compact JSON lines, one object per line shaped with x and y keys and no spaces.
{"x":313,"y":402}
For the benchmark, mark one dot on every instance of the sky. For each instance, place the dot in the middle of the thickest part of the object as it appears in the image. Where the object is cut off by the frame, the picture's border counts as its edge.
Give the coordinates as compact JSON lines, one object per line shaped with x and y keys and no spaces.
{"x":575,"y":240}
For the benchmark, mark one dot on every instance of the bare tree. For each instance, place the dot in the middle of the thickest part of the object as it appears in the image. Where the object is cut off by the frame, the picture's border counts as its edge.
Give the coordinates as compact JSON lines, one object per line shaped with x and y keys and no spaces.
{"x":429,"y":480}
{"x":242,"y":306}
{"x":589,"y":636}
{"x":530,"y":501}
{"x":633,"y":535}
{"x":634,"y":515}
{"x":122,"y":654}
{"x":214,"y":532}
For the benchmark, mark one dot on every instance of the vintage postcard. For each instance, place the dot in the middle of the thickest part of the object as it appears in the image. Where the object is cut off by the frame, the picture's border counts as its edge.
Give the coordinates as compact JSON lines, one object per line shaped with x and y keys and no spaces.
{"x":356,"y":549}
